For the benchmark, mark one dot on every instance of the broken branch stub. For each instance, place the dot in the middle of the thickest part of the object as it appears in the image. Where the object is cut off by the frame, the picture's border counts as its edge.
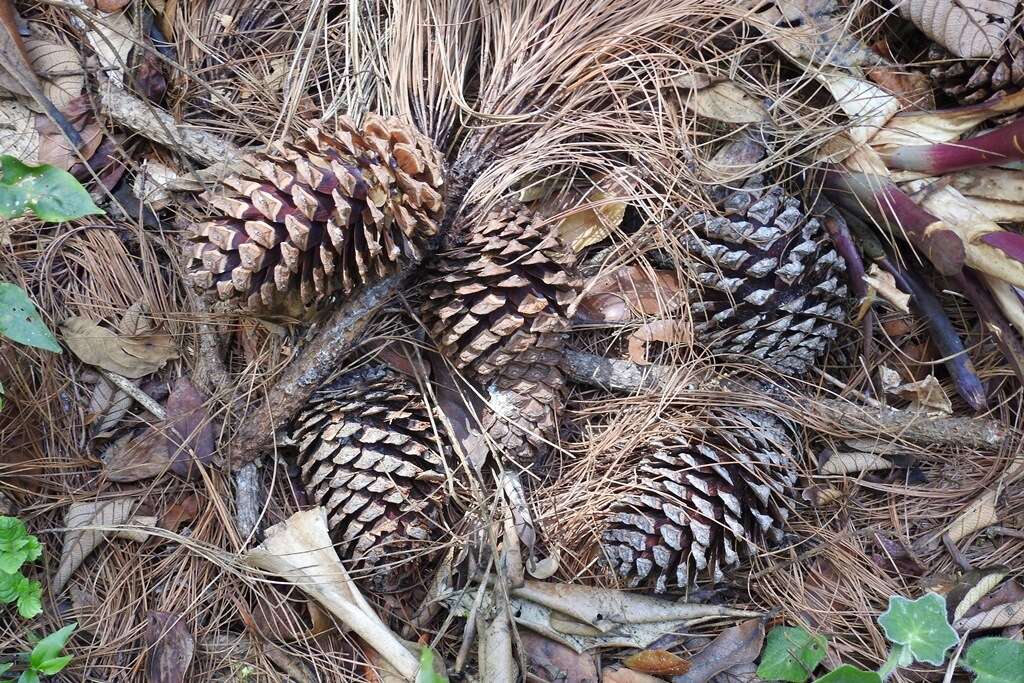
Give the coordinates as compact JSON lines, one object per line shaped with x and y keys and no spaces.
{"x":338,"y":336}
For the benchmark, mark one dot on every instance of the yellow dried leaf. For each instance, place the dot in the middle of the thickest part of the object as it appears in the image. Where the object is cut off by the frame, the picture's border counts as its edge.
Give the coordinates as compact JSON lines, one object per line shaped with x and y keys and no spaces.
{"x":601,"y":212}
{"x":725,"y":101}
{"x":657,"y":662}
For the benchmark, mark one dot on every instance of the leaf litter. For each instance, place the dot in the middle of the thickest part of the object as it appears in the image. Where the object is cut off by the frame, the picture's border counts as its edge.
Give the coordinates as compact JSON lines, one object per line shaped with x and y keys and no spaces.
{"x":839,"y":583}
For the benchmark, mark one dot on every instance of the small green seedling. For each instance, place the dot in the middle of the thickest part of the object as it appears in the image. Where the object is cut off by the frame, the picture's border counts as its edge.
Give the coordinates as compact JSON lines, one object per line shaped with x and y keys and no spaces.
{"x":920,"y":629}
{"x":920,"y":632}
{"x":17,"y":547}
{"x":45,"y":658}
{"x":426,"y":673}
{"x":52,"y":194}
{"x":791,"y":654}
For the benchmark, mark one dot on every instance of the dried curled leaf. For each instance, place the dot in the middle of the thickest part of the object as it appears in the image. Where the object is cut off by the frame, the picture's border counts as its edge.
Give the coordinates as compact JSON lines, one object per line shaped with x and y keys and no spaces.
{"x":131,"y":357}
{"x":978,"y":515}
{"x":58,"y":65}
{"x":621,"y":295}
{"x":170,"y":648}
{"x":132,"y":458}
{"x":81,"y":537}
{"x":883,"y":284}
{"x":603,"y":208}
{"x":733,"y":647}
{"x":665,"y":331}
{"x":725,"y":101}
{"x":846,"y":463}
{"x":972,"y":29}
{"x":926,"y":394}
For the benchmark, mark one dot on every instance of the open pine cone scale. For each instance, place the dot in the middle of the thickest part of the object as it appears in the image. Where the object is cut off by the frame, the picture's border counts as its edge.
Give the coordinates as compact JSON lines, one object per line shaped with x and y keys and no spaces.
{"x":332,"y":212}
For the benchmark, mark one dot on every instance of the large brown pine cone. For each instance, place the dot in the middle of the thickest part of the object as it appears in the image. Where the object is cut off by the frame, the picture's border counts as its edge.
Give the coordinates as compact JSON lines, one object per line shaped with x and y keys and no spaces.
{"x":701,"y":503}
{"x":772,"y":286}
{"x":972,"y":81}
{"x":369,"y":454}
{"x":498,"y":307}
{"x":332,"y":212}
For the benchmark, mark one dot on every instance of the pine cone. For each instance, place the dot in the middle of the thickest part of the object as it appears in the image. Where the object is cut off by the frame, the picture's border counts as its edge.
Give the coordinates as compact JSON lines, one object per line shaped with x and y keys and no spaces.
{"x":498,"y":307}
{"x":369,"y":454}
{"x":702,"y":503}
{"x":772,"y":286}
{"x":334,"y":211}
{"x":972,"y":81}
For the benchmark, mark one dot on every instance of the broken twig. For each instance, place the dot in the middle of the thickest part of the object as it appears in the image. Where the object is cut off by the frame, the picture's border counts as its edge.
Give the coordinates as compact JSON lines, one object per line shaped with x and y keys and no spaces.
{"x":916,"y":427}
{"x":335,"y":339}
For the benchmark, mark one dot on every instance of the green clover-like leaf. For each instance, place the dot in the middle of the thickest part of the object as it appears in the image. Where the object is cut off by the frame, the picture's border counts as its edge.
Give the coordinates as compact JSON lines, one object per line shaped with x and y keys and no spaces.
{"x":996,"y":660}
{"x":30,"y":598}
{"x":849,"y":674}
{"x":52,"y":194}
{"x":921,"y":625}
{"x":17,"y":546}
{"x":20,"y":321}
{"x":426,"y":674}
{"x":791,"y":654}
{"x":49,"y":647}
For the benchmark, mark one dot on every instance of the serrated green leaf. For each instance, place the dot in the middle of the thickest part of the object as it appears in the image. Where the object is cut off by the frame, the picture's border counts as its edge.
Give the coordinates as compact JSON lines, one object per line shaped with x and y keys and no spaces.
{"x":921,"y":625}
{"x":9,"y":587}
{"x":55,"y":665}
{"x":30,"y":598}
{"x":426,"y":674}
{"x":996,"y":660}
{"x":20,"y":321}
{"x":49,"y":647}
{"x":849,"y":674}
{"x":52,"y":194}
{"x":791,"y":654}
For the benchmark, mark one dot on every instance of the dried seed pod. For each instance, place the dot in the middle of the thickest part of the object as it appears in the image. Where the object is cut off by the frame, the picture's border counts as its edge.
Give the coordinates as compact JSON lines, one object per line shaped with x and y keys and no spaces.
{"x":498,"y":307}
{"x":773,"y":288}
{"x":332,"y":212}
{"x":702,"y":502}
{"x":369,"y":454}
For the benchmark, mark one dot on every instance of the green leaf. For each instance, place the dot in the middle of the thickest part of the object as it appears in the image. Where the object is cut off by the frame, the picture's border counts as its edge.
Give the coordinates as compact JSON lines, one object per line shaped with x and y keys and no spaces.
{"x":50,"y":193}
{"x":9,"y":587}
{"x":426,"y":674}
{"x":20,"y":321}
{"x":30,"y":598}
{"x":850,"y":674}
{"x":996,"y":660}
{"x":29,"y":676}
{"x":791,"y":654}
{"x":55,"y":665}
{"x":5,"y":666}
{"x":921,"y":625}
{"x":49,"y":647}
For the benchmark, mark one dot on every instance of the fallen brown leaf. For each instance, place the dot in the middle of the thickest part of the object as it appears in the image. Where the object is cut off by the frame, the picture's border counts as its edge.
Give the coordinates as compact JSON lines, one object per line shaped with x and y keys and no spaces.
{"x":189,"y":429}
{"x":971,"y":30}
{"x":665,"y":331}
{"x":610,"y":675}
{"x":603,"y":208}
{"x":551,"y":661}
{"x":58,"y":65}
{"x":884,"y":285}
{"x":912,"y":88}
{"x":134,"y":457}
{"x":131,"y":357}
{"x":170,"y":648}
{"x":80,"y":539}
{"x":725,"y":101}
{"x":734,"y":646}
{"x":657,"y":662}
{"x":54,"y":147}
{"x":180,"y":513}
{"x":621,"y":295}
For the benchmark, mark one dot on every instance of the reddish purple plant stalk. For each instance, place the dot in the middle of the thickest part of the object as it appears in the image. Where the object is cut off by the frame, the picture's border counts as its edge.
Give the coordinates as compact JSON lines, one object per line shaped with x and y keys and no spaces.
{"x":843,"y":241}
{"x":1005,"y":336}
{"x":1000,"y":146}
{"x":887,"y":205}
{"x":945,"y":336}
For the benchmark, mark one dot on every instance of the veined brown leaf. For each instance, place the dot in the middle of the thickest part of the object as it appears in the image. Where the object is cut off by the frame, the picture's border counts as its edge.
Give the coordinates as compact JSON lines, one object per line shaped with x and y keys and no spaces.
{"x":658,"y":663}
{"x":725,"y":101}
{"x":974,"y":29}
{"x":81,"y":538}
{"x":131,"y":357}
